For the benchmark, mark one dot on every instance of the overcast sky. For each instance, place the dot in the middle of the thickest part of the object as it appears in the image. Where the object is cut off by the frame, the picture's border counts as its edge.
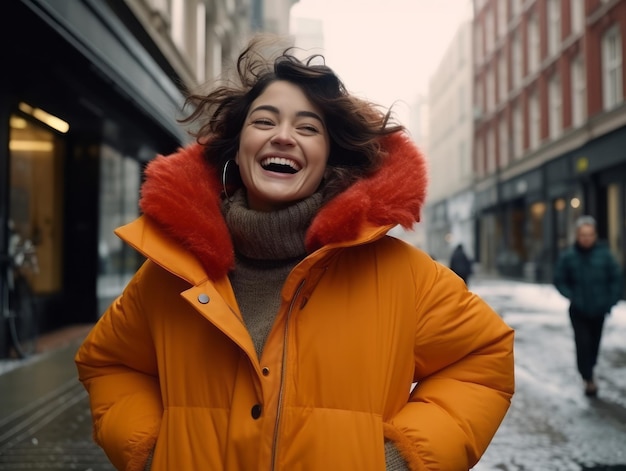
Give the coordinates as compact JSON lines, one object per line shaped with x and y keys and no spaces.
{"x":386,"y":50}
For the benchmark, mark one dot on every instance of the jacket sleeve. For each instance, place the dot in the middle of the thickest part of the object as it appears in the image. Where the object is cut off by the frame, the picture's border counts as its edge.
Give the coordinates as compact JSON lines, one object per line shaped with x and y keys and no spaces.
{"x":465,"y":379}
{"x":117,"y":365}
{"x":560,"y":278}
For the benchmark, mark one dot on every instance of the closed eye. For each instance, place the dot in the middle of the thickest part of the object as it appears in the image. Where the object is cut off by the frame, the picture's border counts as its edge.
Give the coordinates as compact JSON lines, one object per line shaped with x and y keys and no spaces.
{"x":309,"y":129}
{"x":263,"y":122}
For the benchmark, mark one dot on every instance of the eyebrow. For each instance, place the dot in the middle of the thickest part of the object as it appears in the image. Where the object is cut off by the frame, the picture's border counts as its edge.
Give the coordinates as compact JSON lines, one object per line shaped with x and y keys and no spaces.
{"x":273,"y":109}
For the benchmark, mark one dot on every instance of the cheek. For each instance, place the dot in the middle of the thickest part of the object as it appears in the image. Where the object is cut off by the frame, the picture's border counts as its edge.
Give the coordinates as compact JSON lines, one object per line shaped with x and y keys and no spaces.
{"x":319,"y":177}
{"x":245,"y":154}
{"x":246,"y":145}
{"x":325,"y":169}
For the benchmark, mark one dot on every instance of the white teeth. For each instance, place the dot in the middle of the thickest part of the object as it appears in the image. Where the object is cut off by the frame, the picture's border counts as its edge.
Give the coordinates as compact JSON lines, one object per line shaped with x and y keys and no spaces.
{"x":280,"y":161}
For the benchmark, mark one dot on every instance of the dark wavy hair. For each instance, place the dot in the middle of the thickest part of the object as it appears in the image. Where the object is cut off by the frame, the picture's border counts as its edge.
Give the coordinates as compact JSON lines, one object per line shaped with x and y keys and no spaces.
{"x":354,"y":125}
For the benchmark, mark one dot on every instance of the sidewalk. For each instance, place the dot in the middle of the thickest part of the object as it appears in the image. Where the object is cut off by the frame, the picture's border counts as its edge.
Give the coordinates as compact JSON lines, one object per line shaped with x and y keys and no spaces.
{"x":48,"y":343}
{"x":45,"y":421}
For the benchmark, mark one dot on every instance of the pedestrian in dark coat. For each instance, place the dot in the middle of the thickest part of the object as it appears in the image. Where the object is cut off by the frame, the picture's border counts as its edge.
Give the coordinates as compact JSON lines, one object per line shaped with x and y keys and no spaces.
{"x":590,"y":277}
{"x":460,"y":263}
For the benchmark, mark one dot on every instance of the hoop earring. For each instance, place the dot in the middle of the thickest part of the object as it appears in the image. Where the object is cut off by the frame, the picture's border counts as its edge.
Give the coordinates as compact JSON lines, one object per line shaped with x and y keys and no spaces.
{"x":224,"y":171}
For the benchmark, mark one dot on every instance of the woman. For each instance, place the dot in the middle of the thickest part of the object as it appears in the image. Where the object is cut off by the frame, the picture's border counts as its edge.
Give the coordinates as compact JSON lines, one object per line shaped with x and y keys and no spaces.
{"x":275,"y":325}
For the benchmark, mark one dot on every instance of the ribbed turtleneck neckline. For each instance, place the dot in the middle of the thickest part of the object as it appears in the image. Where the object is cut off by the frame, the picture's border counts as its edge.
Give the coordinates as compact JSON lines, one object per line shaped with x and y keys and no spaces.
{"x":272,"y":235}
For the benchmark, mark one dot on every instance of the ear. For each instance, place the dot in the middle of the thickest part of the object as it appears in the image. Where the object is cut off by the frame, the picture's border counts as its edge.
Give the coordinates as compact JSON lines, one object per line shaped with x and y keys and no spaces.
{"x":237,"y":158}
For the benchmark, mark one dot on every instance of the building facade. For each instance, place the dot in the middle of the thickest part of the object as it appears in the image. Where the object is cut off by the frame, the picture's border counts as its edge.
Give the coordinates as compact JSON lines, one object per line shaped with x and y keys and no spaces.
{"x":449,"y":216}
{"x":549,"y":129}
{"x":91,"y":91}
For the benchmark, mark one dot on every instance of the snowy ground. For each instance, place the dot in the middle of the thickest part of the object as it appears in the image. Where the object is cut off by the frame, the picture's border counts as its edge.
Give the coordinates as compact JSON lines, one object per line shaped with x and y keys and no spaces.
{"x":551,"y":425}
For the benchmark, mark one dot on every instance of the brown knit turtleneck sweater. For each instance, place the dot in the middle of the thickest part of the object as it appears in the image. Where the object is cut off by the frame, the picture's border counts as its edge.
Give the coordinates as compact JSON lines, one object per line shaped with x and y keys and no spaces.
{"x":267,"y":247}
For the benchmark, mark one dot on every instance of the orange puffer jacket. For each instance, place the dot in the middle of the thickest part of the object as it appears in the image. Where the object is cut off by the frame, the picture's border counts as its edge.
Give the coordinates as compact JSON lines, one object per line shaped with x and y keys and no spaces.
{"x":171,"y":367}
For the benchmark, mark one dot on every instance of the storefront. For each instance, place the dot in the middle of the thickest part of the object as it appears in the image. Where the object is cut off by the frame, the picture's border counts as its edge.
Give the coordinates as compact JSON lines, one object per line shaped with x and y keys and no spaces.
{"x":523,"y":213}
{"x":512,"y":228}
{"x":599,"y":168}
{"x":489,"y":232}
{"x":538,"y":210}
{"x":83,"y":107}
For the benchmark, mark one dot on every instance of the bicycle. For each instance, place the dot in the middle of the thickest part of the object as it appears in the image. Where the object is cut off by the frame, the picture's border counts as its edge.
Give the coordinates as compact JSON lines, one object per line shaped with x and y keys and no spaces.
{"x":18,"y":301}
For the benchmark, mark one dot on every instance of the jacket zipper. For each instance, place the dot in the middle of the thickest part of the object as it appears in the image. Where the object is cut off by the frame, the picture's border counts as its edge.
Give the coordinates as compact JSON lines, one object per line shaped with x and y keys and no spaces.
{"x":282,"y":377}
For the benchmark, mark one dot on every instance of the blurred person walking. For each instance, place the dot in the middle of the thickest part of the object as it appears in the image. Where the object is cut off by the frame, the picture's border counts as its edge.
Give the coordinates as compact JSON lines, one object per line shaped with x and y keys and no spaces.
{"x":460,"y":263}
{"x":275,"y":324}
{"x":589,"y":276}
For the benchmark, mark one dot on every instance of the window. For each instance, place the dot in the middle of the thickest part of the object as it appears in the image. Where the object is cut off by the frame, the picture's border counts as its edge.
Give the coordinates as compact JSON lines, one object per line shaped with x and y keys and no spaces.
{"x":120,"y":177}
{"x":535,"y":232}
{"x":502,"y":19}
{"x":556,"y":106}
{"x":518,"y":132}
{"x":533,"y":44}
{"x":534,"y":121}
{"x":480,"y":158}
{"x":579,"y":108}
{"x":35,"y":190}
{"x":201,"y":41}
{"x":503,"y":86}
{"x":491,"y":90}
{"x":515,"y":7}
{"x":614,"y":219}
{"x":503,"y":138}
{"x":612,"y":68}
{"x":554,"y":26}
{"x":478,"y":104}
{"x":577,"y":15}
{"x":491,"y":151}
{"x":489,"y":31}
{"x":516,"y":58}
{"x":186,"y":36}
{"x":478,"y":44}
{"x":462,"y":105}
{"x":178,"y":23}
{"x":465,"y":162}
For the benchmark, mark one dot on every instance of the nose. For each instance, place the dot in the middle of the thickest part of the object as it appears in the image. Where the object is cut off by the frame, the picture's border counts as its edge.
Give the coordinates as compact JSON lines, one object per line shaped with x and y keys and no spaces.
{"x":283,"y":136}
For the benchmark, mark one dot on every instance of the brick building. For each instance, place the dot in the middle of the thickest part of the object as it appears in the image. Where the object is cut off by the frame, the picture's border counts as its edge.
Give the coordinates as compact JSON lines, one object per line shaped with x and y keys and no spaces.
{"x":549,"y":128}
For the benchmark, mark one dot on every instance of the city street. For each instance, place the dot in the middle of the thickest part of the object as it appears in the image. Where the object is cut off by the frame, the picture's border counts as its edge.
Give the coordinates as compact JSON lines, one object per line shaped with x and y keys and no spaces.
{"x":551,"y":426}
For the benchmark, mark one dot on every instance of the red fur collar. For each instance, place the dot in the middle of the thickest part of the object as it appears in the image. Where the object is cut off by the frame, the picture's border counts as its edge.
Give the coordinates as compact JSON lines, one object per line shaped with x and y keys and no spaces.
{"x":181,"y":194}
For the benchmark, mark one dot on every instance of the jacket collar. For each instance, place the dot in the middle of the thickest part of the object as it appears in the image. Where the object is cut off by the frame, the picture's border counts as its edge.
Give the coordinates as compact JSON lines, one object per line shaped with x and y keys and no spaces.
{"x":181,"y":195}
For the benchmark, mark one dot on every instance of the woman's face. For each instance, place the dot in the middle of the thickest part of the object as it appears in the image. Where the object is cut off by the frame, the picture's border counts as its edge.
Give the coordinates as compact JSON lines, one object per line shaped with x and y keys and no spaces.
{"x":283,"y":148}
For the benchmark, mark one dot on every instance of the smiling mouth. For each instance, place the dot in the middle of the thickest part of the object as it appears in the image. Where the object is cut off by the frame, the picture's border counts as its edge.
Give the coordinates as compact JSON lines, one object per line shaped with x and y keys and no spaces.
{"x":280,"y":165}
